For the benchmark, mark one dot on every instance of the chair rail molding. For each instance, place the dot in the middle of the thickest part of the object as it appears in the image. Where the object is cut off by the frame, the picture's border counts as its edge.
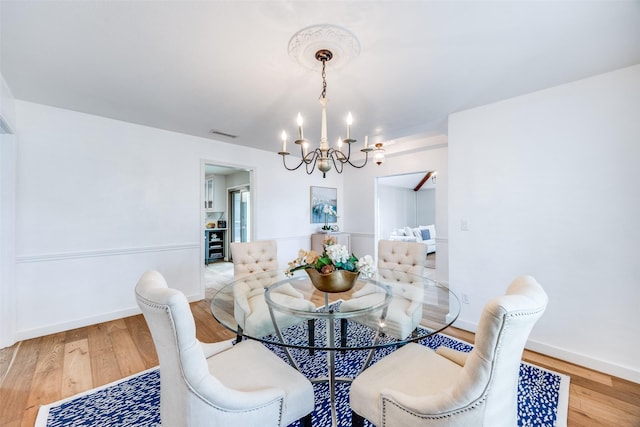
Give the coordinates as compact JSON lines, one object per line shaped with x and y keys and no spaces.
{"x":59,"y":256}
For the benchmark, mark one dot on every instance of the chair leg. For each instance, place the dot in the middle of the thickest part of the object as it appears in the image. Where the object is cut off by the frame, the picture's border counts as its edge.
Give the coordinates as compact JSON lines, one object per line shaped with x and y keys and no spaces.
{"x":414,"y":334}
{"x":311,"y":326}
{"x":356,"y":420}
{"x":239,"y":335}
{"x":343,"y":333}
{"x":305,"y":421}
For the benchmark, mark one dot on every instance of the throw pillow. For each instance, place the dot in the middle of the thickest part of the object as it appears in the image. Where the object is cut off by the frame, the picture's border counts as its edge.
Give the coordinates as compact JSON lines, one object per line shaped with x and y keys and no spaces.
{"x":408,"y":231}
{"x":426,"y":235}
{"x":416,"y":232}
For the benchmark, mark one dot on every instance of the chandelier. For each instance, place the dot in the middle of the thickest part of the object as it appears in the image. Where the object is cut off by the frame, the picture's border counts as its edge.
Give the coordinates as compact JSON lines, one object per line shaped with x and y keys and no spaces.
{"x":325,"y":156}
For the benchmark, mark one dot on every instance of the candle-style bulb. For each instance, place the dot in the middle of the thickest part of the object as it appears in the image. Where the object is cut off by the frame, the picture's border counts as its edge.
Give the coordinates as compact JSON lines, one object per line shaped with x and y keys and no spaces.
{"x":284,"y":141}
{"x":349,"y":121}
{"x":300,"y":132}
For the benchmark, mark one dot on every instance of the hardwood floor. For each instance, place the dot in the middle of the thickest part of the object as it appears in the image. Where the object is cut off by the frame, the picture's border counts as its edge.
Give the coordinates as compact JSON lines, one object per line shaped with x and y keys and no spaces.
{"x":43,"y":370}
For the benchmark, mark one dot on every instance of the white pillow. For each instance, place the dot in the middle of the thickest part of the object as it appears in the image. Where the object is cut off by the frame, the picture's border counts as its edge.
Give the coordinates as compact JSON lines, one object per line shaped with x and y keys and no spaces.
{"x":400,"y":232}
{"x":408,"y":231}
{"x":418,"y":234}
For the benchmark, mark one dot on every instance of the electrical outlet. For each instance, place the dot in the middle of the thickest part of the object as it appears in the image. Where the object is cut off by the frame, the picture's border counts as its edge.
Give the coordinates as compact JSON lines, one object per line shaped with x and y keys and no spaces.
{"x":465,"y":298}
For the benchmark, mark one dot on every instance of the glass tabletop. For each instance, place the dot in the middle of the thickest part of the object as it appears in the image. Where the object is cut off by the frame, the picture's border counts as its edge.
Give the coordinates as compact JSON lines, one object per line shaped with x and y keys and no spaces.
{"x":390,"y":308}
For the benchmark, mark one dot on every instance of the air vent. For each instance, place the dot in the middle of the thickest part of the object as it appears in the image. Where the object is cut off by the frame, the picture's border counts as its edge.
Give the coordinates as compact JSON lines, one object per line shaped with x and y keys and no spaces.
{"x":218,"y":132}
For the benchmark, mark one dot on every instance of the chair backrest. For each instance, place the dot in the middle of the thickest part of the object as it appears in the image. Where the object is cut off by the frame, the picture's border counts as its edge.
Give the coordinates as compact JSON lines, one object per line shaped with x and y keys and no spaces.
{"x":401,"y":257}
{"x":183,"y":366}
{"x":492,"y":368}
{"x":253,"y":257}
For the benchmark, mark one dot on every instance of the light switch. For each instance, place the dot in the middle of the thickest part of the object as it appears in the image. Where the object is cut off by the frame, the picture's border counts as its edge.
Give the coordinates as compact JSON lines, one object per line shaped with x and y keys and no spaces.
{"x":464,"y":225}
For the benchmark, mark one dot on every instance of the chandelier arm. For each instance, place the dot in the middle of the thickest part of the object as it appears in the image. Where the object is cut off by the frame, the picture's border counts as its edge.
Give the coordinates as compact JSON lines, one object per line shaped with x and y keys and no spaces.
{"x":313,"y":166}
{"x":334,"y":154}
{"x":284,"y":162}
{"x":312,"y":159}
{"x":335,"y":159}
{"x":366,"y":158}
{"x":338,"y":155}
{"x":314,"y":155}
{"x":306,"y":158}
{"x":340,"y":164}
{"x":346,"y":159}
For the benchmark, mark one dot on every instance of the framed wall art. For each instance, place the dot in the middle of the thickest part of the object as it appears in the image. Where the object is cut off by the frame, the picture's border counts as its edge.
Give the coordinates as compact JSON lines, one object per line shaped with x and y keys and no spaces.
{"x":324,"y":205}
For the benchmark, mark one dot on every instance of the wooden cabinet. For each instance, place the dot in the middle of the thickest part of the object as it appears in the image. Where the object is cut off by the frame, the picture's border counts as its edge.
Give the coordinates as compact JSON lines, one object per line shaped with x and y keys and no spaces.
{"x":317,"y":240}
{"x":215,"y":240}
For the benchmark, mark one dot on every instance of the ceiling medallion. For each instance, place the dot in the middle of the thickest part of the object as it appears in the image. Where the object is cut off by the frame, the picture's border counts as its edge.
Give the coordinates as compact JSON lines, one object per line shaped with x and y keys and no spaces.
{"x":341,"y":42}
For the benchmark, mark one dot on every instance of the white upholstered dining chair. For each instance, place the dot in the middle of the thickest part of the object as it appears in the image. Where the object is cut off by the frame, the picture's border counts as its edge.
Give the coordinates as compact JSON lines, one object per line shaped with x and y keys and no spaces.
{"x":219,"y":383}
{"x":255,"y":266}
{"x":400,"y":265}
{"x":415,"y":386}
{"x":253,"y":257}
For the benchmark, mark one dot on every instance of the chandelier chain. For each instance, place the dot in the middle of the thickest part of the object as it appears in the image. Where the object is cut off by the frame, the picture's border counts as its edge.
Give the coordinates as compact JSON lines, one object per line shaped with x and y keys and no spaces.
{"x":324,"y":80}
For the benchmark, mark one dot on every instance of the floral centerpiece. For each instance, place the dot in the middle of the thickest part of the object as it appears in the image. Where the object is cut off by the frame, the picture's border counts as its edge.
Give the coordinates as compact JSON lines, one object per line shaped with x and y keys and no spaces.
{"x":335,"y":270}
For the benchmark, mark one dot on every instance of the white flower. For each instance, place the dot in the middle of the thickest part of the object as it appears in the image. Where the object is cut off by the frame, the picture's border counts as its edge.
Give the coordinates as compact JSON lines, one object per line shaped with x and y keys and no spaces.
{"x":328,"y":209}
{"x":366,"y":266}
{"x":337,"y":253}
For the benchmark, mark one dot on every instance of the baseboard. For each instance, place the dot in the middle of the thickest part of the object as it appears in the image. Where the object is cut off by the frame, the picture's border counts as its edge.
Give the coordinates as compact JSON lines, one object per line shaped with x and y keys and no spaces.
{"x":586,"y":361}
{"x":579,"y":359}
{"x":87,"y":321}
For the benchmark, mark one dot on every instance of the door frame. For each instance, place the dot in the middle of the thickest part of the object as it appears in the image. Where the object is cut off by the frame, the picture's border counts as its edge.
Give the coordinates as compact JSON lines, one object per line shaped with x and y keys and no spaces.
{"x":202,"y":215}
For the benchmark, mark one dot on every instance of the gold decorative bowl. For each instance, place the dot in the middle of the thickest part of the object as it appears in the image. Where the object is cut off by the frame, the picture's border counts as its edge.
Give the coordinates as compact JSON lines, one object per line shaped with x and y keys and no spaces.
{"x":337,"y":281}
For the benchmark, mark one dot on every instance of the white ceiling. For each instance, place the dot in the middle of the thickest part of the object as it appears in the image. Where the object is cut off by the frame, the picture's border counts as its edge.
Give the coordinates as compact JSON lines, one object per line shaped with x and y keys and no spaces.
{"x":409,"y":181}
{"x":193,"y":66}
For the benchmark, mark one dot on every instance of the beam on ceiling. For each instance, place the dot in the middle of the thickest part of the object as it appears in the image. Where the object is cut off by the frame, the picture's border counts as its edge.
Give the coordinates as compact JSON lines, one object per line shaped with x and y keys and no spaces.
{"x":426,"y":177}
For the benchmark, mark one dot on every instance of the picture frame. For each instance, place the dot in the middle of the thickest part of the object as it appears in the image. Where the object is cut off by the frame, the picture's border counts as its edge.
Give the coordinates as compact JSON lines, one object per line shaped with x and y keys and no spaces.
{"x":321,"y":197}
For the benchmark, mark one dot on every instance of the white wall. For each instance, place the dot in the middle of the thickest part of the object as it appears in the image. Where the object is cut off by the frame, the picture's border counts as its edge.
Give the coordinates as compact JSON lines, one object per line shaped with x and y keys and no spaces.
{"x":416,"y":154}
{"x":400,"y":207}
{"x":7,"y":214}
{"x":99,"y":201}
{"x":7,"y":238}
{"x":237,"y":179}
{"x":548,"y":184}
{"x":426,"y":207}
{"x":396,"y":209}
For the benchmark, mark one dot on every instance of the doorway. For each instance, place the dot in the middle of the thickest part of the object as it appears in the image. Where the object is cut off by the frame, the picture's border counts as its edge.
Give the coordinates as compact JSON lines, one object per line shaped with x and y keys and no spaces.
{"x":404,"y":203}
{"x":218,"y":181}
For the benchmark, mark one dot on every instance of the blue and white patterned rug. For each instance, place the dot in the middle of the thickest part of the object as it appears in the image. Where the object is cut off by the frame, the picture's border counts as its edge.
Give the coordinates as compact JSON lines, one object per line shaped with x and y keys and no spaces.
{"x":135,"y":401}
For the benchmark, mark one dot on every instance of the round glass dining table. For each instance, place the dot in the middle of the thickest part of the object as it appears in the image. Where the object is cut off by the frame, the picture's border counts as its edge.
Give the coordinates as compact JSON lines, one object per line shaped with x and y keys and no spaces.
{"x":391,"y":308}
